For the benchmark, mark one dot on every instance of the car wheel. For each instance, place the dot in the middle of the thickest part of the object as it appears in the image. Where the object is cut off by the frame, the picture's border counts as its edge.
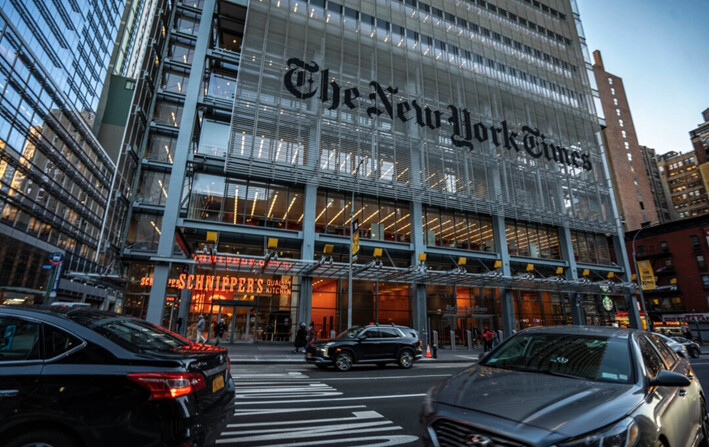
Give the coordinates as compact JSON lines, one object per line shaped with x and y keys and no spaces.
{"x":321,"y":366}
{"x":42,"y":438}
{"x":406,"y":359}
{"x":343,"y":361}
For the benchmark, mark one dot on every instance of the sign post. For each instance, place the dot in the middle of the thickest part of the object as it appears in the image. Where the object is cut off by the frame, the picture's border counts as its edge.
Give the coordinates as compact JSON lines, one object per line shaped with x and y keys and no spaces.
{"x":56,"y":260}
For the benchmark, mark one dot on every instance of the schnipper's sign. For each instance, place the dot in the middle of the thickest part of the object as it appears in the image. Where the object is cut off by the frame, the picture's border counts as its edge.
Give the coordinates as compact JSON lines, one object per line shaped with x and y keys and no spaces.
{"x":299,"y":82}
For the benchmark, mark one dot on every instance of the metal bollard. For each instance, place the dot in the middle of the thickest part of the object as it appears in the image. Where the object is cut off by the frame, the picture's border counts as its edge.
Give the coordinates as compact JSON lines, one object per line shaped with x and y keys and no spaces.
{"x":452,"y":340}
{"x":469,"y":336}
{"x":435,"y":345}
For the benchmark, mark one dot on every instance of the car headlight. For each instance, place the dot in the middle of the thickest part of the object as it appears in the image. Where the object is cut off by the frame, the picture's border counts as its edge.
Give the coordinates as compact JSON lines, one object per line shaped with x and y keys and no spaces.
{"x":621,"y":434}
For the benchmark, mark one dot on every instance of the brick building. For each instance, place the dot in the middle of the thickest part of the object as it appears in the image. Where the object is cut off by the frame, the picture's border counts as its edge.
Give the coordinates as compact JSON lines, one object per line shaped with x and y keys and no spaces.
{"x":632,"y":186}
{"x":678,"y":254}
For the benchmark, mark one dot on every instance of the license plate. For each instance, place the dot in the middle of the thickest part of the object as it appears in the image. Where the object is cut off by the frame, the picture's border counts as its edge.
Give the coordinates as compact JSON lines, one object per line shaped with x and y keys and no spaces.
{"x":309,"y":354}
{"x":217,"y":383}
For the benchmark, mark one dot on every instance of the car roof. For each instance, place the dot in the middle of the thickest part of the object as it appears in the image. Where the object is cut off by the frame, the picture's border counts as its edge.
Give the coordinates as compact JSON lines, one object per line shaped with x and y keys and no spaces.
{"x":604,"y":331}
{"x":60,"y":311}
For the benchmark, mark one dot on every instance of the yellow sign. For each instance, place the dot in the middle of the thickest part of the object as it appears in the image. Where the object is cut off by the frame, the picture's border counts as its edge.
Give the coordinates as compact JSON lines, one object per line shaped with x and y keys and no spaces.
{"x":647,"y":276}
{"x":355,"y":243}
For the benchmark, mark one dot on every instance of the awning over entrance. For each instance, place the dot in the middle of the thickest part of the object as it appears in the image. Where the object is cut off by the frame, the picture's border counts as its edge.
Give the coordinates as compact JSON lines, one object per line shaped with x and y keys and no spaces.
{"x":376,"y":271}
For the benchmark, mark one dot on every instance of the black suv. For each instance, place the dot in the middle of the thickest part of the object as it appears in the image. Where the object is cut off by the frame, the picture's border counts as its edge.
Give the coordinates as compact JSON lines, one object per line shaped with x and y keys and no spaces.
{"x":75,"y":377}
{"x":367,"y":344}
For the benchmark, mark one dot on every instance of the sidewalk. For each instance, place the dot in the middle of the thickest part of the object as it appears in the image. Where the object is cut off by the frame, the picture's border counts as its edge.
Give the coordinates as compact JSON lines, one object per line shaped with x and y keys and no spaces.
{"x":281,"y":352}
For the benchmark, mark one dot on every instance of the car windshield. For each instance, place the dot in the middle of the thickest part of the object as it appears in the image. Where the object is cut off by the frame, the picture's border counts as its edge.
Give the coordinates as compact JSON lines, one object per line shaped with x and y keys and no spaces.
{"x":350,"y":333}
{"x":134,"y":334}
{"x":593,"y":358}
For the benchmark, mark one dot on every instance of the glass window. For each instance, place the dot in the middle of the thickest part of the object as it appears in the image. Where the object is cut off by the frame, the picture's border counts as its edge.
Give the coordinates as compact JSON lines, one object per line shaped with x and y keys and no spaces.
{"x":133,"y":334}
{"x":705,"y":281}
{"x":58,"y":342}
{"x":694,"y":239}
{"x":701,"y":262}
{"x":651,"y":358}
{"x":206,"y":197}
{"x":19,"y":340}
{"x":214,"y":138}
{"x":161,"y":148}
{"x":593,"y":358}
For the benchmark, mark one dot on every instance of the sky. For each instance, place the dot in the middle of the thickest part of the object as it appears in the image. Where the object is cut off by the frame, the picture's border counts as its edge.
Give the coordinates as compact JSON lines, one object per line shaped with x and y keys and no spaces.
{"x":661,"y":50}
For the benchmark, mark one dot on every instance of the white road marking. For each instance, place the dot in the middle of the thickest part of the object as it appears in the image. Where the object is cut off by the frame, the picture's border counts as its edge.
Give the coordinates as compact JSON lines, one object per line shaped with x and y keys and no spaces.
{"x":394,"y":396}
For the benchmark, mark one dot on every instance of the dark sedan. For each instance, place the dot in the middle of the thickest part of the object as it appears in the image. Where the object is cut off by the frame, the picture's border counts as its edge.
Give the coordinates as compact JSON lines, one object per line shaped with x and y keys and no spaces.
{"x":74,"y":377}
{"x":367,"y":344}
{"x":570,"y":387}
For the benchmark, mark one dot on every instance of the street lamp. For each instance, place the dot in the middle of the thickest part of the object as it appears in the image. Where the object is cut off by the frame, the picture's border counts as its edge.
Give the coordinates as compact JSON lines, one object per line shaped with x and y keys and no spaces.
{"x":635,"y":267}
{"x":349,"y":275}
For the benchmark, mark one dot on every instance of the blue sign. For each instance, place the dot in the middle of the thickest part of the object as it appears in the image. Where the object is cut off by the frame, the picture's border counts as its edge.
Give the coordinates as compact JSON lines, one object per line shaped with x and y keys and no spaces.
{"x":56,"y":258}
{"x":47,"y":266}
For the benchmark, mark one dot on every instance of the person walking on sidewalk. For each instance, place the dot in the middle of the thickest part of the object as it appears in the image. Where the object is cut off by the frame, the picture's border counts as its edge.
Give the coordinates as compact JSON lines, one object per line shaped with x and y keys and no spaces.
{"x":219,"y":331}
{"x":301,"y":338}
{"x":199,"y":337}
{"x":487,"y":339}
{"x":312,"y":335}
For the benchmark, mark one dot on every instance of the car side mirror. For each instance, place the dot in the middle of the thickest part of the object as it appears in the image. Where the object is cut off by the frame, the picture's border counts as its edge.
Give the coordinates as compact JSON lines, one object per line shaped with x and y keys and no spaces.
{"x":670,"y":378}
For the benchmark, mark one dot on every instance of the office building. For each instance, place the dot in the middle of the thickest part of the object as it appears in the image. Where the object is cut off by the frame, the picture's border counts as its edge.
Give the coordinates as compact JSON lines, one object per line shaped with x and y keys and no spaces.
{"x":660,"y":190}
{"x":456,"y":143}
{"x":54,"y":175}
{"x":684,"y":181}
{"x":632,"y":186}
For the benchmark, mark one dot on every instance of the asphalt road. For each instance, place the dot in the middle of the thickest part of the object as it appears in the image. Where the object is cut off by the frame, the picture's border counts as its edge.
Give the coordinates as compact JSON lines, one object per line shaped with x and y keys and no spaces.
{"x":282,"y":405}
{"x":304,"y":406}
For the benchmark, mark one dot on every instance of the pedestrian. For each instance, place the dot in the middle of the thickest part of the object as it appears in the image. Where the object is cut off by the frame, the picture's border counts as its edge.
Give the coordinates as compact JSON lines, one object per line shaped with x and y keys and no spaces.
{"x":179,"y":324}
{"x":219,"y":331}
{"x":487,"y":339}
{"x":495,"y":340}
{"x":301,"y":338}
{"x":199,"y":337}
{"x":312,"y":335}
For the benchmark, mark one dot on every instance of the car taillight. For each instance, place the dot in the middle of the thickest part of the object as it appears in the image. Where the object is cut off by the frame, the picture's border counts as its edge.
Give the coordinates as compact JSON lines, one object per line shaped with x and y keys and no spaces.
{"x":169,"y":385}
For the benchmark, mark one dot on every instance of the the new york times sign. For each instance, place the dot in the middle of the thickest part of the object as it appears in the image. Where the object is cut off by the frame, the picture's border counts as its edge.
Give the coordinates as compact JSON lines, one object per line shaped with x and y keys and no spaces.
{"x":465,"y":134}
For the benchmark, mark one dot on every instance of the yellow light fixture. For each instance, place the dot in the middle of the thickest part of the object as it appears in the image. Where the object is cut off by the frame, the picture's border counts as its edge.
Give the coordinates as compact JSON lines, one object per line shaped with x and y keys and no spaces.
{"x":610,"y":275}
{"x":497,"y":264}
{"x":633,"y":277}
{"x":377,"y":253}
{"x":530,"y":267}
{"x":560,"y":270}
{"x":462,"y":260}
{"x":673,"y":281}
{"x":327,"y":249}
{"x":272,"y":243}
{"x":212,"y":236}
{"x":422,"y":257}
{"x":586,"y":272}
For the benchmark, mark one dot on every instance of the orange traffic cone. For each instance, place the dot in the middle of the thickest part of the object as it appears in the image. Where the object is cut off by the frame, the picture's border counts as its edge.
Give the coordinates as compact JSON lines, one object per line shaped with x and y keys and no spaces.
{"x":428,"y":351}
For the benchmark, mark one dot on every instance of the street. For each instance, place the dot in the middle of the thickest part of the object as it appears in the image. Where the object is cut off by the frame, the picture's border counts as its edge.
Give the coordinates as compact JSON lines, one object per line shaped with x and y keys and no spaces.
{"x":303,"y":406}
{"x":299,"y":405}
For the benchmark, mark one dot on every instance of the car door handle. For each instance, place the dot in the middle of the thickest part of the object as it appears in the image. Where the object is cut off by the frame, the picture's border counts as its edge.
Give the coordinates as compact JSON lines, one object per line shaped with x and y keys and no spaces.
{"x":690,"y":376}
{"x":682,"y":392}
{"x":9,"y":393}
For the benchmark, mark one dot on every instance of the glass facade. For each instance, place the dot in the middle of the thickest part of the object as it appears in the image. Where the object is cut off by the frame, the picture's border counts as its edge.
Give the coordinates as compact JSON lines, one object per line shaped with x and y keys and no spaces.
{"x":461,"y":137}
{"x":54,"y":175}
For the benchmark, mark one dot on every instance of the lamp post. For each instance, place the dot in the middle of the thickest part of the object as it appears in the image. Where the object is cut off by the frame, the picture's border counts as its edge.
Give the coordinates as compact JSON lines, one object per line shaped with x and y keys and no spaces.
{"x":635,"y":266}
{"x":211,"y":250}
{"x":349,"y":275}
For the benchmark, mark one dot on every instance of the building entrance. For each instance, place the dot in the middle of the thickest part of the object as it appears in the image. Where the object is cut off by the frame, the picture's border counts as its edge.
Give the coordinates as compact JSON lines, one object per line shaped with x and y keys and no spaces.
{"x":458,"y":325}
